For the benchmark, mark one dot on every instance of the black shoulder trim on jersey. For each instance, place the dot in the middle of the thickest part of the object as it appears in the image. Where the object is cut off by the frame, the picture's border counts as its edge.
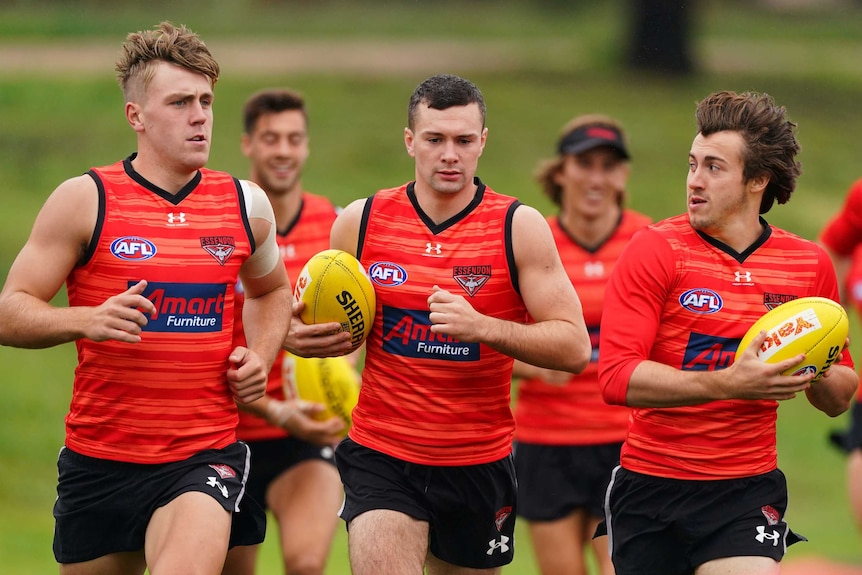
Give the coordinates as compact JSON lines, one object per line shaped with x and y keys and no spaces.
{"x":100,"y":220}
{"x":243,"y":213}
{"x":363,"y":226}
{"x":510,"y":251}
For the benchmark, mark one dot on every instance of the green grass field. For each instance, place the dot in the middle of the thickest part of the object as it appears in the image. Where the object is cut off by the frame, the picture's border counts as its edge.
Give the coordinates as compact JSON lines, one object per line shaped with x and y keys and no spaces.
{"x":555,"y":61}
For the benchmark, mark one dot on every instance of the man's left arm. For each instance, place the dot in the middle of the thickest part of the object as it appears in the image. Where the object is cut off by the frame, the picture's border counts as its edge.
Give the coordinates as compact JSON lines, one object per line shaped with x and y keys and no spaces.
{"x":557,"y":337}
{"x":267,"y":309}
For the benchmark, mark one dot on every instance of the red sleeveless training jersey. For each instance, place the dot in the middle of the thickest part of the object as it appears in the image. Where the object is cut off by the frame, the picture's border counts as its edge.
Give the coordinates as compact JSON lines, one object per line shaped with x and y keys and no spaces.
{"x":305,"y":236}
{"x":426,"y":398}
{"x":684,"y":299}
{"x":575,"y":413}
{"x":166,"y":397}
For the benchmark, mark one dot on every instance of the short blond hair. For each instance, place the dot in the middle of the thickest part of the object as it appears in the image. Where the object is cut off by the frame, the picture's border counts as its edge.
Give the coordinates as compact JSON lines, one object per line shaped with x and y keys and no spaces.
{"x":165,"y":43}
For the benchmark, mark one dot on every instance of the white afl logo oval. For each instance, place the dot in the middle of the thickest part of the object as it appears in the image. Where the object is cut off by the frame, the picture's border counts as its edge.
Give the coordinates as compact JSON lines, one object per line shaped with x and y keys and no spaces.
{"x":133,"y":248}
{"x":387,"y":274}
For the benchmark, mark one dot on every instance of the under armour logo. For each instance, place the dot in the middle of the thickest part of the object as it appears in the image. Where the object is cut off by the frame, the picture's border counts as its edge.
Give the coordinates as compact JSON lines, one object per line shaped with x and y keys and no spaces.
{"x":213,"y":482}
{"x":502,"y":545}
{"x":179,"y":218}
{"x":433,"y":248}
{"x":762,"y":535}
{"x":742,"y":276}
{"x":594,"y":269}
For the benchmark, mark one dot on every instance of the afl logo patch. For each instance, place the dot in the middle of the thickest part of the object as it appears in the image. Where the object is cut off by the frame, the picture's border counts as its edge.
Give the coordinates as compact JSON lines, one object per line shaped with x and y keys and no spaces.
{"x":133,"y":248}
{"x":701,"y":300}
{"x":387,"y":274}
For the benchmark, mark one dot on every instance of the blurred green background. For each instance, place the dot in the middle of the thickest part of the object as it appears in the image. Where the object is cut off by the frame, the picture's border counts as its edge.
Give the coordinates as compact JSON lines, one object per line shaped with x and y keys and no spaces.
{"x":538,"y":63}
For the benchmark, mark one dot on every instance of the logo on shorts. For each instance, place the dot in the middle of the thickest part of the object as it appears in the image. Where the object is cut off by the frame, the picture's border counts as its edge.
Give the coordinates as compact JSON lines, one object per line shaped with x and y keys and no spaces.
{"x":772,"y":516}
{"x":213,"y":482}
{"x":224,"y":471}
{"x":762,"y":536}
{"x":501,"y":516}
{"x":502,"y":545}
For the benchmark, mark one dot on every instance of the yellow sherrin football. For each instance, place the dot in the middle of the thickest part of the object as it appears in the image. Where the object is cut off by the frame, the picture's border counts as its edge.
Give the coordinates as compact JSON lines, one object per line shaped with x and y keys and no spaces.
{"x":815,"y":326}
{"x":336,"y":288}
{"x":330,"y":381}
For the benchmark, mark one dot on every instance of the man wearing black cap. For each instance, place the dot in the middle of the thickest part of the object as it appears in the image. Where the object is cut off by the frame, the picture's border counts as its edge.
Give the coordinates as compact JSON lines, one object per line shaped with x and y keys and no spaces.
{"x":568,"y":439}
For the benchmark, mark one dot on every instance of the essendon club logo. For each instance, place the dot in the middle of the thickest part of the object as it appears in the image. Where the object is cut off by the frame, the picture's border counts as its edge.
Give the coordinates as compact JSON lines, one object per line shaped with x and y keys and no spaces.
{"x":471,"y":278}
{"x":219,"y":247}
{"x":773,"y":300}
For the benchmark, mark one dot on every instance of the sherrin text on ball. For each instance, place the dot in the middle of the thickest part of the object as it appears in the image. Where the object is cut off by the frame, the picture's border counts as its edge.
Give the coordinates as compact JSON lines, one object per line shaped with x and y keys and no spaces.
{"x":335,"y":288}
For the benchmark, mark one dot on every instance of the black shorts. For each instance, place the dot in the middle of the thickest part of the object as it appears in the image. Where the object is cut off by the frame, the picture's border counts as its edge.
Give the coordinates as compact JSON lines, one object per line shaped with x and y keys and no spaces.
{"x":470,"y":510}
{"x":671,"y":526}
{"x":272,"y":457}
{"x":851,"y":438}
{"x":104,"y":506}
{"x":554,"y":480}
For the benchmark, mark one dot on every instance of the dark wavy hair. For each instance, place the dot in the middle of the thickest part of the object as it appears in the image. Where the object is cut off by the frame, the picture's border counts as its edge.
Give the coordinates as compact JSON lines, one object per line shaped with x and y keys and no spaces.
{"x":270,"y":101}
{"x":770,"y":140}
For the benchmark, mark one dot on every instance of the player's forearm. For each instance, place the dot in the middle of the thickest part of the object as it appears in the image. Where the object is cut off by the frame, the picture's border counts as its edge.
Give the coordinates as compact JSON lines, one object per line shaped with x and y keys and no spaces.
{"x":653,"y":384}
{"x":553,"y":344}
{"x":834,"y":391}
{"x":28,"y":322}
{"x":266,"y":320}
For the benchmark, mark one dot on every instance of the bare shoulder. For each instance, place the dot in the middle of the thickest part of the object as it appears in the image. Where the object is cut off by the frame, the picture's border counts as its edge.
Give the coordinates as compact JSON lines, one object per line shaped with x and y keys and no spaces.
{"x":354,"y":209}
{"x":531,"y":235}
{"x":75,"y":204}
{"x":345,"y":230}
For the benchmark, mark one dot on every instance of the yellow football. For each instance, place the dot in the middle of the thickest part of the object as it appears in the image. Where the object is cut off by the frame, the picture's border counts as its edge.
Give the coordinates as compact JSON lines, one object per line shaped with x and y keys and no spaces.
{"x":330,"y":381}
{"x":815,"y":326}
{"x":336,"y":288}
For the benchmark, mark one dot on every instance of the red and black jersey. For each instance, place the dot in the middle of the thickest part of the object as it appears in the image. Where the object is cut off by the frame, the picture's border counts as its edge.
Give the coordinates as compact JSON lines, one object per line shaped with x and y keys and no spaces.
{"x":305,"y":236}
{"x":683,"y":299}
{"x":427,"y":398}
{"x":574,"y":413}
{"x":167,"y":397}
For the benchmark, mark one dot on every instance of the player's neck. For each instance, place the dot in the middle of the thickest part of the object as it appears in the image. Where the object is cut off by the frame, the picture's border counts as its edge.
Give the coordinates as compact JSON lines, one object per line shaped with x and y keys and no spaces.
{"x":167,"y":179}
{"x":440,"y":206}
{"x":589,"y":230}
{"x":737,"y":234}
